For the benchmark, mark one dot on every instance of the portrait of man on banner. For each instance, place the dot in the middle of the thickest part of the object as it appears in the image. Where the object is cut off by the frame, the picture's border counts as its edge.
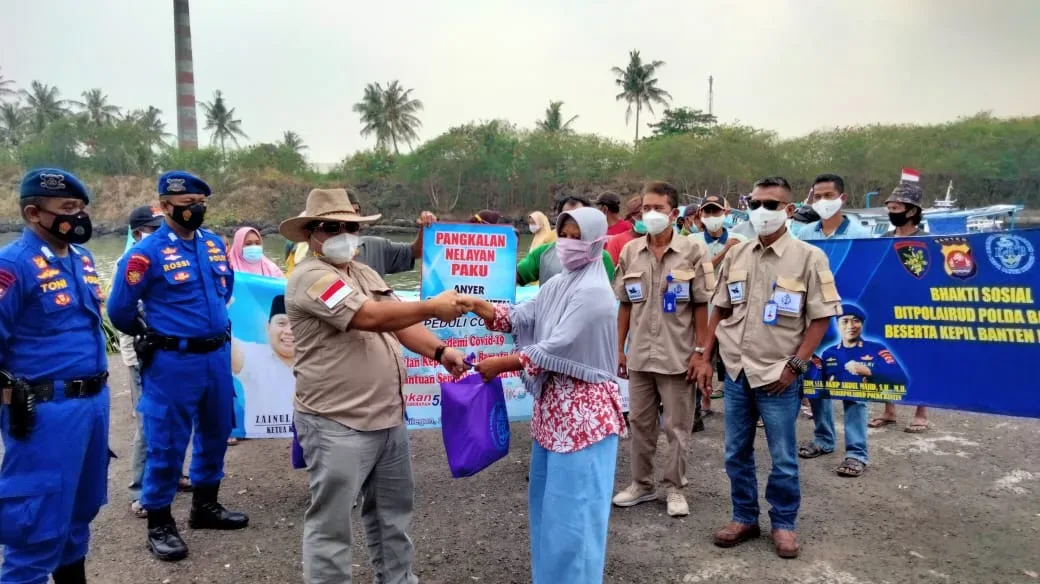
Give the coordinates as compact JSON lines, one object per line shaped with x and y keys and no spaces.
{"x":265,"y":371}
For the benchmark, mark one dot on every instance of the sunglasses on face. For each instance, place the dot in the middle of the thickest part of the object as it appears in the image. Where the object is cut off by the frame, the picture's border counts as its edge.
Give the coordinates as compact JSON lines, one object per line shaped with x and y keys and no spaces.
{"x":333,"y":227}
{"x":769,"y":205}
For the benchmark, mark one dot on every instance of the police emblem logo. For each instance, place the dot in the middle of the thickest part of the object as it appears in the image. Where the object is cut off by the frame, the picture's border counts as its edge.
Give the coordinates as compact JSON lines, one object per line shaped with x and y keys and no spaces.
{"x":186,"y":215}
{"x":914,"y":257}
{"x":52,"y":181}
{"x":168,"y":250}
{"x":47,"y":274}
{"x":136,"y":267}
{"x":210,"y":243}
{"x":957,"y":258}
{"x":62,"y":299}
{"x":1011,"y":254}
{"x":181,"y":276}
{"x":175,"y":185}
{"x":213,"y":250}
{"x":87,"y":266}
{"x":64,"y":227}
{"x":39,"y":262}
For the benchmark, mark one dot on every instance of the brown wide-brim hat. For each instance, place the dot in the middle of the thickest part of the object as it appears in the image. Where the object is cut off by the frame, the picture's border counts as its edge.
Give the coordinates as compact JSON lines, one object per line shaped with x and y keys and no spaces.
{"x":323,"y":205}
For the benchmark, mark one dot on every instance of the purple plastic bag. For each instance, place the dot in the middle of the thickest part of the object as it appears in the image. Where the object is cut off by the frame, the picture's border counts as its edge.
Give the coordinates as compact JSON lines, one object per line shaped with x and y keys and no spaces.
{"x":474,"y":424}
{"x":297,"y":451}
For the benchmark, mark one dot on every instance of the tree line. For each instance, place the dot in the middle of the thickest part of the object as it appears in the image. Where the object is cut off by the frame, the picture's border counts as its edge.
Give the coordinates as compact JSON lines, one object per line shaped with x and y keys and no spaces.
{"x":497,"y":164}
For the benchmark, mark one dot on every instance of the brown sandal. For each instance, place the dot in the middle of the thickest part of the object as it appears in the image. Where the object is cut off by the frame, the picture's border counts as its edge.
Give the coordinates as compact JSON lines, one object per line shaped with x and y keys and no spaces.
{"x":880,"y":422}
{"x":851,"y":468}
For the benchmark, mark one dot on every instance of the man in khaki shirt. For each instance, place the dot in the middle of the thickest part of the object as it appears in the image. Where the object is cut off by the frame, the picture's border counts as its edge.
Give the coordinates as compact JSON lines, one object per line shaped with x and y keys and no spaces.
{"x":661,"y":342}
{"x":775,"y":298}
{"x":350,"y":413}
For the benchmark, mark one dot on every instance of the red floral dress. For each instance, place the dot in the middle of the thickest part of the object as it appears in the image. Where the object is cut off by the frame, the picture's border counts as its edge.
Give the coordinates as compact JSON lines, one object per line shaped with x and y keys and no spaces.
{"x":570,"y":414}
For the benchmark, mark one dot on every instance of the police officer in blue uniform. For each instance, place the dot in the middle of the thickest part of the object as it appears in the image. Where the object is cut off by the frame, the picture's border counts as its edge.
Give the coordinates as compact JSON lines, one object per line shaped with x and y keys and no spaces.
{"x":857,"y":360}
{"x":54,"y":412}
{"x":183,"y":280}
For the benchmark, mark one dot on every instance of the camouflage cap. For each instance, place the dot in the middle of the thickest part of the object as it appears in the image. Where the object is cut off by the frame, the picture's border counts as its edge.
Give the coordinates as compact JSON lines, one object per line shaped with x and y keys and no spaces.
{"x":907,"y":193}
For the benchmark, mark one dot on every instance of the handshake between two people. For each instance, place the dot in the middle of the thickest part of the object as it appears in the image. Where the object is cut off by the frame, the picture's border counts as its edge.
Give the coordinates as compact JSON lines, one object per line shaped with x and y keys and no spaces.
{"x":446,"y":307}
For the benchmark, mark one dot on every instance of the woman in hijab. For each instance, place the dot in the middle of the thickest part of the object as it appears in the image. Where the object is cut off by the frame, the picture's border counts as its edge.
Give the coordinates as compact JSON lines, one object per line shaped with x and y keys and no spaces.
{"x":567,"y":336}
{"x":247,"y":255}
{"x":539,"y":226}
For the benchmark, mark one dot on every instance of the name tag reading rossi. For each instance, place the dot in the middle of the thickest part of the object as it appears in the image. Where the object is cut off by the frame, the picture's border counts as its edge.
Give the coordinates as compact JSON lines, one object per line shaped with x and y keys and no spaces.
{"x":788,"y":302}
{"x":634,"y":291}
{"x":736,"y":292}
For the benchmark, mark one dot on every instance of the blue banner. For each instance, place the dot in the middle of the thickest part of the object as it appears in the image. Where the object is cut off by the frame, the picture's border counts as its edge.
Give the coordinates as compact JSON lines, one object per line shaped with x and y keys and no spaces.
{"x":477,"y":260}
{"x":947,"y":321}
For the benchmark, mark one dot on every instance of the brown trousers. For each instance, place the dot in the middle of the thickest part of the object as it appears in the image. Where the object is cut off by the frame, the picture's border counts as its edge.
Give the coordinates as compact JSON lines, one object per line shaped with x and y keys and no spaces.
{"x":646,"y":392}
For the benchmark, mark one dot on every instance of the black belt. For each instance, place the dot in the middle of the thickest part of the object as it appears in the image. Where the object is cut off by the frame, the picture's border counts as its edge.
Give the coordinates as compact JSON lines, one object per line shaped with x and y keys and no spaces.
{"x":73,"y":388}
{"x":191,"y":345}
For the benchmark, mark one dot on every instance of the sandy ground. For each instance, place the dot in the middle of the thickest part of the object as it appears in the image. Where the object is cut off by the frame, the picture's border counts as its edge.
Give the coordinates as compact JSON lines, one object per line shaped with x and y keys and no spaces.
{"x":958,"y":504}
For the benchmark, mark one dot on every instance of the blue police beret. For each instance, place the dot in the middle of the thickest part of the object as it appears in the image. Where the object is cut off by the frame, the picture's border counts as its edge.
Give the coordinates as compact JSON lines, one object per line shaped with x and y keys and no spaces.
{"x":53,"y":182}
{"x":853,"y":310}
{"x":182,"y":182}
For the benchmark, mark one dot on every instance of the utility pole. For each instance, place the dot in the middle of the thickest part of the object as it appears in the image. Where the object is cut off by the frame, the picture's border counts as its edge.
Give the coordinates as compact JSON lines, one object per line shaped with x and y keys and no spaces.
{"x":187,"y":125}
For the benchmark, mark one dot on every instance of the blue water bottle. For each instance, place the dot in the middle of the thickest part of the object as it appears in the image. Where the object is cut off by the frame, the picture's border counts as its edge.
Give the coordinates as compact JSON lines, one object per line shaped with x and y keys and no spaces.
{"x":669,"y":296}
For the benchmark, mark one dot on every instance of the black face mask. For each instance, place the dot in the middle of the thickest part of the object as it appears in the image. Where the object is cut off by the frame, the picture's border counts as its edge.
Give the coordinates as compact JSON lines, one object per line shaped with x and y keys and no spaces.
{"x":74,"y":228}
{"x":189,"y":217}
{"x":898,"y":219}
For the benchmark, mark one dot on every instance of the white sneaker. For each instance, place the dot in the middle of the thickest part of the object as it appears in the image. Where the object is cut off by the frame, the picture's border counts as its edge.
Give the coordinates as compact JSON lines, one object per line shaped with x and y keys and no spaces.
{"x":634,"y":495}
{"x":677,"y":506}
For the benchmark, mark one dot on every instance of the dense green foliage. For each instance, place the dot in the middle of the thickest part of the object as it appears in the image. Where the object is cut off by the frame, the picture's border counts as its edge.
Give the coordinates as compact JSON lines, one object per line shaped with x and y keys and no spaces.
{"x":498,"y":165}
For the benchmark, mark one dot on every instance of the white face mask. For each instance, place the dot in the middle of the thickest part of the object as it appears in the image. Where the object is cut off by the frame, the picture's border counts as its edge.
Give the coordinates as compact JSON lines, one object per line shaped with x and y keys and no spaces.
{"x":340,"y":249}
{"x":766,"y":222}
{"x":656,"y":222}
{"x":533,"y":227}
{"x":713,"y":224}
{"x":827,"y":208}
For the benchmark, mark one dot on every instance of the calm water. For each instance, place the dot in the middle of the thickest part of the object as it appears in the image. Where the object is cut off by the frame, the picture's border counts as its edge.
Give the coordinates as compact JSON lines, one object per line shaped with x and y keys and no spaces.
{"x":107,"y":250}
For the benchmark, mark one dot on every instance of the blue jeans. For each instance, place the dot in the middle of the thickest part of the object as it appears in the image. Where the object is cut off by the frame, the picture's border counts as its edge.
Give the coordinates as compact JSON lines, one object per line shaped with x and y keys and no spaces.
{"x":569,"y":499}
{"x":744,"y":406}
{"x":856,"y":413}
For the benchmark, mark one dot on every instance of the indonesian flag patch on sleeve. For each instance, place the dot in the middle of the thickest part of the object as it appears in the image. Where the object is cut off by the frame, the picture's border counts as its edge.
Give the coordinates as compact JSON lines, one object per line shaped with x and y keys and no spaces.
{"x":330,"y":290}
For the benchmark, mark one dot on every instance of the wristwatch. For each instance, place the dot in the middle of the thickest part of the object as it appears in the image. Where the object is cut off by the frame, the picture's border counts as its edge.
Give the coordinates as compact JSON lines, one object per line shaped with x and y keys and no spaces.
{"x":797,"y":365}
{"x":699,"y":350}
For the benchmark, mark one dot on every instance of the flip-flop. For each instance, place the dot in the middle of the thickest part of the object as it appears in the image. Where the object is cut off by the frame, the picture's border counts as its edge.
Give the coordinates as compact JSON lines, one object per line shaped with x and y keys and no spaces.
{"x":811,"y":450}
{"x":880,"y":422}
{"x":917,"y":428}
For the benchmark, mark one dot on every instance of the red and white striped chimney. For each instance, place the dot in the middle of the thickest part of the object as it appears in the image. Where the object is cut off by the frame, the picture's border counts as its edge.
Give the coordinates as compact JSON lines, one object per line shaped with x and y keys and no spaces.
{"x":187,"y":126}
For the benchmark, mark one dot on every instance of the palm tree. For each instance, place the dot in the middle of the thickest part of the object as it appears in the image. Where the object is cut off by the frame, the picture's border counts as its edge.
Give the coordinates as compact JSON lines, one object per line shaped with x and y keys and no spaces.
{"x":293,"y":141}
{"x":5,"y":87}
{"x":390,"y":114}
{"x":221,"y":120}
{"x":150,"y":121}
{"x":553,"y":122}
{"x":12,"y":124}
{"x":44,"y":103}
{"x":96,"y":109}
{"x":639,"y":86}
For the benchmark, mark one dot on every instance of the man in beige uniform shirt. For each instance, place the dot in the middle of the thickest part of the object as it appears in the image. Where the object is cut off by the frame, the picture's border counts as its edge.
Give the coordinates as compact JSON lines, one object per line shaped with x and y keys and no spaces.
{"x":774,"y":302}
{"x":661,"y":342}
{"x":348,"y":329}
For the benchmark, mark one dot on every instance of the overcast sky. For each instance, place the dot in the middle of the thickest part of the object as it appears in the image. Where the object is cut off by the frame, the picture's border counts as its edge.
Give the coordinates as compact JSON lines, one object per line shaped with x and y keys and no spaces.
{"x":789,"y":65}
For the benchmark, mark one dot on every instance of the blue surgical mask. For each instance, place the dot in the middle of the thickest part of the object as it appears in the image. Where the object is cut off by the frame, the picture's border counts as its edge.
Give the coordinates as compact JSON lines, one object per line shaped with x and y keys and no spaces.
{"x":253,"y":253}
{"x":640,"y":227}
